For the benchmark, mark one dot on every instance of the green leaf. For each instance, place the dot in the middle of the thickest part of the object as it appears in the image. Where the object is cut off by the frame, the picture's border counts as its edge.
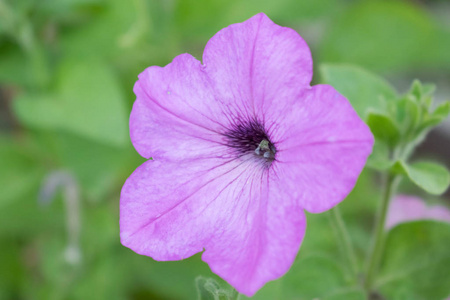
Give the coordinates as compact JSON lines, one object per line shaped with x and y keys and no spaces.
{"x":429,"y":176}
{"x":422,"y":92}
{"x":209,"y":289}
{"x":165,"y":280}
{"x":436,"y":117}
{"x":312,"y":276}
{"x":428,"y":89}
{"x":191,"y":20}
{"x":347,"y":294}
{"x":408,"y":115}
{"x":415,"y":262}
{"x":88,"y":101}
{"x":20,"y":172}
{"x":383,"y":128}
{"x":97,"y":167}
{"x":12,"y":68}
{"x":379,"y":159}
{"x":416,"y":89}
{"x":384,"y":36}
{"x":442,"y":111}
{"x":101,"y":36}
{"x":362,"y":88}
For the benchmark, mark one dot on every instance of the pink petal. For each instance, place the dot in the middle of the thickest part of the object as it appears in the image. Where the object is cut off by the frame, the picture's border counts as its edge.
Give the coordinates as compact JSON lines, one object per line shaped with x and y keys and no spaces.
{"x":262,"y":238}
{"x":255,"y":63}
{"x":174,"y":116}
{"x":405,"y":208}
{"x":250,"y":227}
{"x":170,"y":210}
{"x":322,"y":147}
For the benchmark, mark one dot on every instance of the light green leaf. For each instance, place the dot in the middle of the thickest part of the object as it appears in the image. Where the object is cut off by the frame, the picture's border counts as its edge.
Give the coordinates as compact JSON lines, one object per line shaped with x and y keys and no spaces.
{"x":436,"y":117}
{"x":422,"y":92}
{"x":383,"y":128}
{"x":20,"y":172}
{"x":101,"y":35}
{"x":206,"y":288}
{"x":442,"y":111}
{"x":347,"y":294}
{"x":88,"y":101}
{"x":312,"y":276}
{"x":362,"y":88}
{"x":429,"y":176}
{"x":209,"y":289}
{"x":415,"y":262}
{"x":96,"y":166}
{"x":416,"y":89}
{"x":379,"y":159}
{"x":160,"y":277}
{"x":408,"y":114}
{"x":383,"y":35}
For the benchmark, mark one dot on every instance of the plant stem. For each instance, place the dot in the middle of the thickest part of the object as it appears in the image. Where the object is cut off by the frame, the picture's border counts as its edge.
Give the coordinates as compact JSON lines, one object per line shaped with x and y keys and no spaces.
{"x":379,"y":238}
{"x":344,"y":239}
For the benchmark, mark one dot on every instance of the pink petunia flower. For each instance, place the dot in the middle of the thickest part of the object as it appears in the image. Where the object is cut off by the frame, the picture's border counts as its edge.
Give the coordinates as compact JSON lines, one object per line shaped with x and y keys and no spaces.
{"x":406,"y":208}
{"x":242,"y":145}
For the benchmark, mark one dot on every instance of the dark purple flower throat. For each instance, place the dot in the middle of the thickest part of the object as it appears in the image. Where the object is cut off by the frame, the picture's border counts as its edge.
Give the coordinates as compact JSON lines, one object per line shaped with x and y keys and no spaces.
{"x":250,"y":137}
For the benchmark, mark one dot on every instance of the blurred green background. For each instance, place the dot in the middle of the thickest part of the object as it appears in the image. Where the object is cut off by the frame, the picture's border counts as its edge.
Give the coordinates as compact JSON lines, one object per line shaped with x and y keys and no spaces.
{"x":67,"y":69}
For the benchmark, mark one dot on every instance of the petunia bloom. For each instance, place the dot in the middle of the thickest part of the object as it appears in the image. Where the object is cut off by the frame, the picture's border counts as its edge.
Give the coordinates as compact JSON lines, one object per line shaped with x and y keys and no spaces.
{"x":406,"y":208}
{"x":241,"y":146}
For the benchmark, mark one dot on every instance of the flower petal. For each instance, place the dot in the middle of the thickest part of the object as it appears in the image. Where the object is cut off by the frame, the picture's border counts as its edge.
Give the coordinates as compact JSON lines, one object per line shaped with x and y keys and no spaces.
{"x":252,"y":63}
{"x":169,"y":210}
{"x":404,"y":208}
{"x":174,"y":116}
{"x":262,"y":239}
{"x":322,"y":147}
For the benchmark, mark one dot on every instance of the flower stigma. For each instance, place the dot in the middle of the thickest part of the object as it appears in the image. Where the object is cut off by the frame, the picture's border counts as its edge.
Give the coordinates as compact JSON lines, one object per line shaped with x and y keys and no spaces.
{"x":266,"y":150}
{"x":250,"y":137}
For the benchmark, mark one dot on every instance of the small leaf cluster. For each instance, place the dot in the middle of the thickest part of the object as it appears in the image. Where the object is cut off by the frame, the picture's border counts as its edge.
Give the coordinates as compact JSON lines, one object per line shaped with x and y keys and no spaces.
{"x":399,"y":128}
{"x":414,"y":261}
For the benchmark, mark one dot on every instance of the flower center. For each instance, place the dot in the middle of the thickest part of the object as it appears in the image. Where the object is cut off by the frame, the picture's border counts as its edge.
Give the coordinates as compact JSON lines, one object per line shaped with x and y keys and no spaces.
{"x":250,"y":137}
{"x":266,"y":149}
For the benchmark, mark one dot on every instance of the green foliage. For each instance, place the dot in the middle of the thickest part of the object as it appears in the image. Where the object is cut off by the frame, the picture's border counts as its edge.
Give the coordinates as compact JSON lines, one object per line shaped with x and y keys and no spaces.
{"x":311,"y":276}
{"x":432,"y":119}
{"x":209,"y":289}
{"x":87,"y":101}
{"x":12,"y":70}
{"x":67,"y":70}
{"x":95,"y":165}
{"x":20,"y":171}
{"x":416,"y":260}
{"x":362,"y":88}
{"x":385,"y":36}
{"x":383,"y":128}
{"x":429,"y":176}
{"x":314,"y":276}
{"x":397,"y":123}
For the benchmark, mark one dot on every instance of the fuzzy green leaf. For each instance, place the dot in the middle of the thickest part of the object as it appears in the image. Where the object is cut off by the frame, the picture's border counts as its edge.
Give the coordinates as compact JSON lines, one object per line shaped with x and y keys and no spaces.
{"x":408,"y":114}
{"x":88,"y":101}
{"x":362,"y":88}
{"x":429,"y":176}
{"x":379,"y":159}
{"x":415,"y":263}
{"x":383,"y":128}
